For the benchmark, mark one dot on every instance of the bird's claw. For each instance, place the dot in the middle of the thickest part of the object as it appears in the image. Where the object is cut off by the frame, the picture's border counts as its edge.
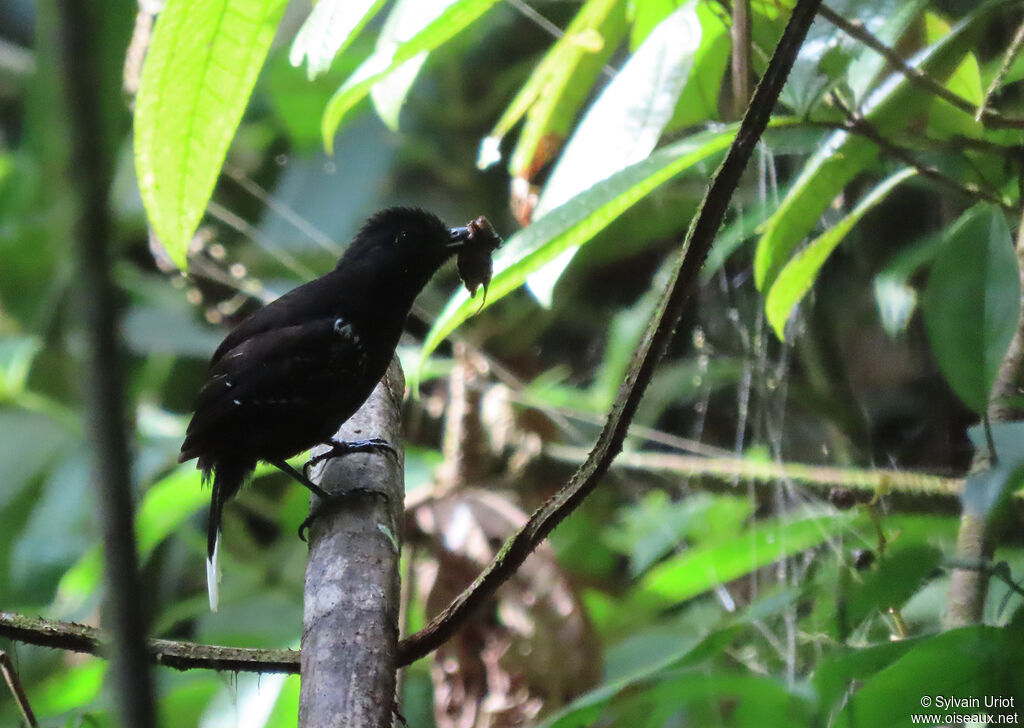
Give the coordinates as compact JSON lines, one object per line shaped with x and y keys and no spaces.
{"x":340,"y":448}
{"x":335,"y":499}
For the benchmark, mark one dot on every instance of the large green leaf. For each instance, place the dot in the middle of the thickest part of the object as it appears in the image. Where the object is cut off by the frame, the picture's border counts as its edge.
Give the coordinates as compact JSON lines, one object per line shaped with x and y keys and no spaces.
{"x":624,"y":124}
{"x":578,"y":221}
{"x":700,"y":569}
{"x":972,"y":303}
{"x":406,"y":19}
{"x":844,"y":155}
{"x":973,"y":662}
{"x":202,"y":65}
{"x":16,"y":356}
{"x":836,"y":672}
{"x":452,"y":19}
{"x":330,"y":27}
{"x":799,"y":274}
{"x":558,"y":86}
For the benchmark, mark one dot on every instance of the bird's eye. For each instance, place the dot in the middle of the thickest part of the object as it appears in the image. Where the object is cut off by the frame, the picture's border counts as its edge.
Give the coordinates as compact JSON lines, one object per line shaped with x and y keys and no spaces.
{"x":402,"y":238}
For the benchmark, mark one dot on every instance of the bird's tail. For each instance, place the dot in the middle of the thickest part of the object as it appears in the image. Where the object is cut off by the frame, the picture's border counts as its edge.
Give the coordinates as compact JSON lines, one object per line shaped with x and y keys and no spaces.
{"x":227,"y":479}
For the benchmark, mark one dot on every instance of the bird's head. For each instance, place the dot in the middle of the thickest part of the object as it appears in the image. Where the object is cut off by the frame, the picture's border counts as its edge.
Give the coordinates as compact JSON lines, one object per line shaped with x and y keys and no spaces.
{"x":407,"y":239}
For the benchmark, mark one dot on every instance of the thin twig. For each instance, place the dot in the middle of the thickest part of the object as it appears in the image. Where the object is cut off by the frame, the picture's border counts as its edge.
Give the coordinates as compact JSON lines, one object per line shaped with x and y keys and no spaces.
{"x":75,"y":637}
{"x":857,"y":31}
{"x":1004,"y":68}
{"x":17,"y":690}
{"x":281,"y":208}
{"x":550,"y":28}
{"x":740,"y":66}
{"x":652,"y":345}
{"x":856,"y":124}
{"x":819,"y":477}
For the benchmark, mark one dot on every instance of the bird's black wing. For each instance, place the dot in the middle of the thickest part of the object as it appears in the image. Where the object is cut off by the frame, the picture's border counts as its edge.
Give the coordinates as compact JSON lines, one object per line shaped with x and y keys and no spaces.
{"x":310,"y":301}
{"x":261,"y":387}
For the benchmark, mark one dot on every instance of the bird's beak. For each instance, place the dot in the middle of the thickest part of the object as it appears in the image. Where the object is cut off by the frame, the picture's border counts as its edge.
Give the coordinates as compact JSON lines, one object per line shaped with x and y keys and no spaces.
{"x":457,"y":237}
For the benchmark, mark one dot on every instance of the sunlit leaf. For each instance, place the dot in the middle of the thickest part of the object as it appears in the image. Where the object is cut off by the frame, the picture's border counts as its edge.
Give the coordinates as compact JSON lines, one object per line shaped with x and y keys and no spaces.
{"x":558,"y":86}
{"x":454,"y":18}
{"x":200,"y":70}
{"x":406,"y":19}
{"x":578,"y":221}
{"x":330,"y":27}
{"x":16,"y":356}
{"x":624,"y":124}
{"x":74,"y":687}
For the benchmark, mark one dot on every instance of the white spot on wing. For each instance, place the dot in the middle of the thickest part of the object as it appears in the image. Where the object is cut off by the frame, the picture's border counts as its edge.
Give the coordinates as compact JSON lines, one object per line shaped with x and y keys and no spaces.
{"x":346,"y":331}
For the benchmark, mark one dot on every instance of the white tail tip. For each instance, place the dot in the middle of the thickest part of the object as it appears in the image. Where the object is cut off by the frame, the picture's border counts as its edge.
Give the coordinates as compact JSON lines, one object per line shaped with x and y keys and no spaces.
{"x":213,"y":575}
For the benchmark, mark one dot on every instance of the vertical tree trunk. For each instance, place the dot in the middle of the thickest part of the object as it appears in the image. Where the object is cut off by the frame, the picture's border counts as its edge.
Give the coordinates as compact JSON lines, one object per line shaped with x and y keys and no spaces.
{"x":350,"y":624}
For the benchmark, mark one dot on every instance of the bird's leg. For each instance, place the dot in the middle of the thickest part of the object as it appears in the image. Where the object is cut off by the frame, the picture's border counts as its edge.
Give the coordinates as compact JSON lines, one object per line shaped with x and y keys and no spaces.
{"x":340,"y":448}
{"x":327,"y":499}
{"x":301,"y":478}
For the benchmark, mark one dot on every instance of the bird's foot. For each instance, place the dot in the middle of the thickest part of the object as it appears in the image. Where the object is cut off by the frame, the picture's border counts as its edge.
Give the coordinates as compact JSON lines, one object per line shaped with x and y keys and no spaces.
{"x":340,"y":448}
{"x":335,"y":499}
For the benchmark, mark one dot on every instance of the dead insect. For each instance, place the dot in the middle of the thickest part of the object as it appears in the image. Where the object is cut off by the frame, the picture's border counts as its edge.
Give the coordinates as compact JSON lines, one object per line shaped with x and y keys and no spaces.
{"x":474,"y":259}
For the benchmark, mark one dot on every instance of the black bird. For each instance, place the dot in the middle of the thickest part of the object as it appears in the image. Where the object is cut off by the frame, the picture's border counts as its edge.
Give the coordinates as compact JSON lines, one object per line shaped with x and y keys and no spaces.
{"x":288,"y":376}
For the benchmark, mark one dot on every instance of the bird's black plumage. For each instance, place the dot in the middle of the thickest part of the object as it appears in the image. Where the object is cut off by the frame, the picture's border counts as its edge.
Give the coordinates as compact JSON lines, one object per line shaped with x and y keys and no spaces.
{"x":288,"y":376}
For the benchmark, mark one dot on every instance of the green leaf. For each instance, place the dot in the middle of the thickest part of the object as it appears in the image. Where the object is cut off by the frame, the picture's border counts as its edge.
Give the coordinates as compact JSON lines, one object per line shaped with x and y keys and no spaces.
{"x":406,"y":19}
{"x":578,"y":221}
{"x":899,"y":576}
{"x":585,"y":710}
{"x":16,"y":356}
{"x":985,"y":489}
{"x":202,"y":65}
{"x":944,"y":120}
{"x":557,"y":88}
{"x":330,"y":27}
{"x":452,"y":19}
{"x":895,"y":296}
{"x":888,"y":22}
{"x":70,"y":689}
{"x":965,"y":663}
{"x":632,"y":110}
{"x":704,"y":568}
{"x":835,"y":673}
{"x":972,"y":303}
{"x":842,"y":156}
{"x":799,"y":274}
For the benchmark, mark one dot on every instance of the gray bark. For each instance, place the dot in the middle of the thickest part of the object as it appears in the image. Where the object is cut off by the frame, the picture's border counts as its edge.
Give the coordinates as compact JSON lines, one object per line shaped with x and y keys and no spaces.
{"x":350,"y":623}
